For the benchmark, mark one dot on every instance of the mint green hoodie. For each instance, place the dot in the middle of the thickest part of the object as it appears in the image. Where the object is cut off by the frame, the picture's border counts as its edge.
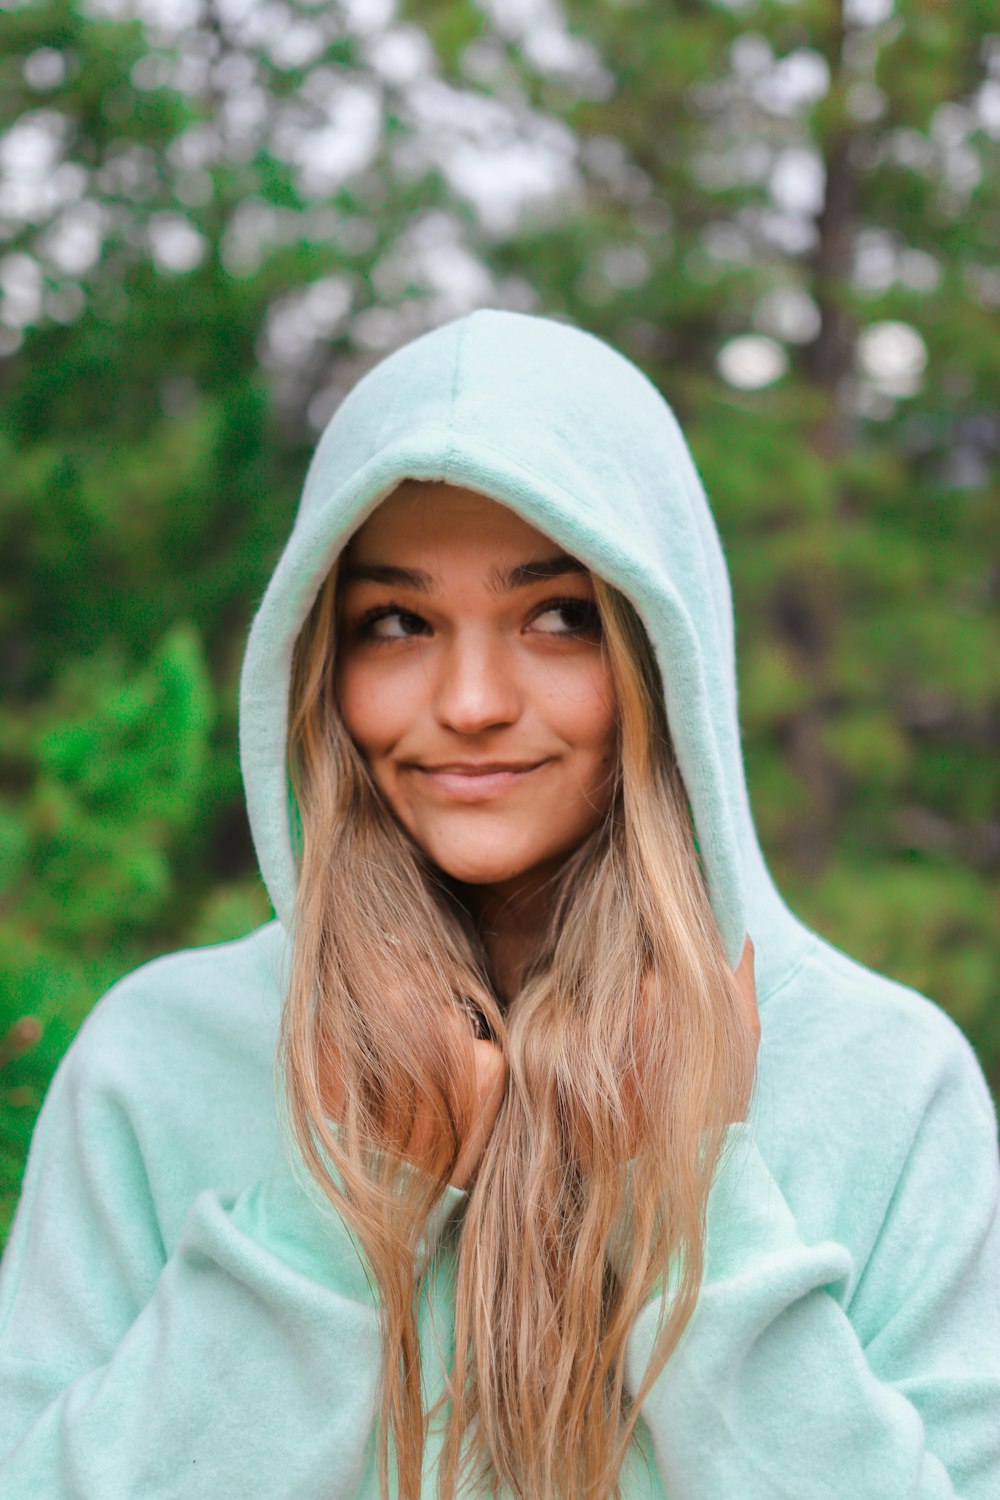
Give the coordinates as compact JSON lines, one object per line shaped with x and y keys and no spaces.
{"x":180,"y":1316}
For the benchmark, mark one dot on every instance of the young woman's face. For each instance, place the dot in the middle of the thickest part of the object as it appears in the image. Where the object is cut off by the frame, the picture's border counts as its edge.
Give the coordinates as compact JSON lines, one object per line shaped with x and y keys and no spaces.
{"x":471,"y":676}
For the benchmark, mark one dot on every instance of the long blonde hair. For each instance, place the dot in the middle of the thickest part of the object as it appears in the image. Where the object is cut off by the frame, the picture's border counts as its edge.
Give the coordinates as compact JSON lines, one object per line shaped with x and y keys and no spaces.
{"x":628,"y":1051}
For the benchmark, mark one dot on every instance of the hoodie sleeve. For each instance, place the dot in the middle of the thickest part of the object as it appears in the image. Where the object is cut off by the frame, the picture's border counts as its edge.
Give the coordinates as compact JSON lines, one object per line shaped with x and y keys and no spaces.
{"x":246,"y":1361}
{"x":802,"y":1374}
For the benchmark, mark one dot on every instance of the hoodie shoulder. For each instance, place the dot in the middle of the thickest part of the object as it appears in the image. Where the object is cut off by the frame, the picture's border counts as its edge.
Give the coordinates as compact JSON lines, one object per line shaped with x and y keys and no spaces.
{"x":176,"y":1064}
{"x":212,"y":996}
{"x":858,"y":1073}
{"x":855,"y":1025}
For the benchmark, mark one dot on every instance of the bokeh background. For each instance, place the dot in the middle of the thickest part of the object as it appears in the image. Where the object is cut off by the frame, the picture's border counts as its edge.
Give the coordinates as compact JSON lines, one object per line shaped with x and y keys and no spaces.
{"x":215,"y":215}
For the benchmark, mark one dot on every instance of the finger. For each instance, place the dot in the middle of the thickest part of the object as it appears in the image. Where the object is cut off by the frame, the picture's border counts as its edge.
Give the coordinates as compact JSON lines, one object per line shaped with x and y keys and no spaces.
{"x":491,"y":1082}
{"x":746,"y":985}
{"x":491,"y":1078}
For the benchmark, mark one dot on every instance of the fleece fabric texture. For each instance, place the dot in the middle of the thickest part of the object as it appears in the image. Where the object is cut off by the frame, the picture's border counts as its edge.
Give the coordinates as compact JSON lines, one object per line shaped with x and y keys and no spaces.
{"x":181,"y":1317}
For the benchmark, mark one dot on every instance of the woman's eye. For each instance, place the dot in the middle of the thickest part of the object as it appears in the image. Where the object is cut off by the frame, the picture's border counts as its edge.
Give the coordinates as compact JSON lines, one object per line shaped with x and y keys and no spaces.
{"x":391,"y":625}
{"x":576,"y":617}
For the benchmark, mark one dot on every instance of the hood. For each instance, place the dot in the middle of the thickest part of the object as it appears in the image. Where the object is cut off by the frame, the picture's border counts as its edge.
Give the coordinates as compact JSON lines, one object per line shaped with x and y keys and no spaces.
{"x":556,"y":424}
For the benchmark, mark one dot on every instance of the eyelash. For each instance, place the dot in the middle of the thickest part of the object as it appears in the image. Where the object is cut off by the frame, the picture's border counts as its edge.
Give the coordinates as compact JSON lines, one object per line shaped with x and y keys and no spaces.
{"x":591,"y":623}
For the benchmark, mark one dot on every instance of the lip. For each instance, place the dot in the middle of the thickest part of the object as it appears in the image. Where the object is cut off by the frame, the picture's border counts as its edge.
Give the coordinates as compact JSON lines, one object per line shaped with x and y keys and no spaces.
{"x":477,"y":781}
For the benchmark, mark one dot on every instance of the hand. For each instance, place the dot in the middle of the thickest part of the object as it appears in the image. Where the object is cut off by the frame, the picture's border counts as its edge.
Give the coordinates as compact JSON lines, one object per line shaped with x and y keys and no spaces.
{"x":747,"y":987}
{"x":746,"y":984}
{"x":489,"y":1081}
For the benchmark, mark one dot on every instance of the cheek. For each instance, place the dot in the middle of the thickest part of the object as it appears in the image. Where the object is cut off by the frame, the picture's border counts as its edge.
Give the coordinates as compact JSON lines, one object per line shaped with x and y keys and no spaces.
{"x":587,"y":710}
{"x":376,"y":706}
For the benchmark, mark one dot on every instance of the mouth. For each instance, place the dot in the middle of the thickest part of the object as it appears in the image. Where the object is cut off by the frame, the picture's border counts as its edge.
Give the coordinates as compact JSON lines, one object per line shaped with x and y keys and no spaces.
{"x":477,"y":781}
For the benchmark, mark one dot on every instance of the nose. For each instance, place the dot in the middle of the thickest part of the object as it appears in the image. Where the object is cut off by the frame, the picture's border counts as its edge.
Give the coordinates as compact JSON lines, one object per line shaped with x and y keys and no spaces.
{"x":476,"y":687}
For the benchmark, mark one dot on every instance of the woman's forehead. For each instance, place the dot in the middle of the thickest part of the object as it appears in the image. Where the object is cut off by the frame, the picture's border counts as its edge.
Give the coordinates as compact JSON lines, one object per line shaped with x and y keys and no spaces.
{"x":434,"y":517}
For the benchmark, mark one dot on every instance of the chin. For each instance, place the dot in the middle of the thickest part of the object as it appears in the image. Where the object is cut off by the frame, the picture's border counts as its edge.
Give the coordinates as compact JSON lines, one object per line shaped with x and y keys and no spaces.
{"x":479,"y":866}
{"x":474,"y":853}
{"x":499,"y":869}
{"x":481,"y":872}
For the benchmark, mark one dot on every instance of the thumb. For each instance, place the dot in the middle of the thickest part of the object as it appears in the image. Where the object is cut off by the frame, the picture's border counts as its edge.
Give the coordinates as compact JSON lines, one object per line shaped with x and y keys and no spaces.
{"x":491,"y":1082}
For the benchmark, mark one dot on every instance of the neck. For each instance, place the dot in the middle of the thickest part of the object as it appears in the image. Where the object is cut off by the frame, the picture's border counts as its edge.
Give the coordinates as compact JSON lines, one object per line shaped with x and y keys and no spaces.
{"x":510,"y":918}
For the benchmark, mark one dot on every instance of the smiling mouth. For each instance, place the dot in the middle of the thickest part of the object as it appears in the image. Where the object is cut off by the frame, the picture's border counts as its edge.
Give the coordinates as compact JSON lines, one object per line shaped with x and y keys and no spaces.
{"x":470,"y":781}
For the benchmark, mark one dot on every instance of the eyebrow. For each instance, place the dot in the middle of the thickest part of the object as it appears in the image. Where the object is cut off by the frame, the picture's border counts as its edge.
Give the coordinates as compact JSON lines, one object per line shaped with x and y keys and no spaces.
{"x":501,"y":581}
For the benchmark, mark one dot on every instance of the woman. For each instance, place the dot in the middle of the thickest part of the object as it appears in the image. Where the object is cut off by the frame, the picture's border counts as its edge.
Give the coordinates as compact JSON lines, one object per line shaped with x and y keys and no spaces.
{"x":520,"y":1195}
